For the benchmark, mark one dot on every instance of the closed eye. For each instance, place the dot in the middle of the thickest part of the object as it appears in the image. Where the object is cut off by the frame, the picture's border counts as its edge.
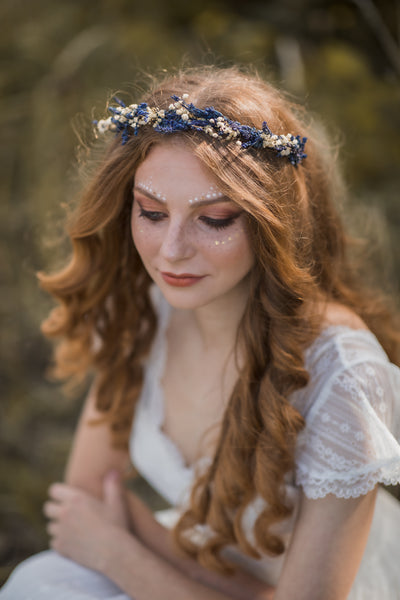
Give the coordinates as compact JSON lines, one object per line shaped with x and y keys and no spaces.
{"x":151,"y":215}
{"x":219,"y":223}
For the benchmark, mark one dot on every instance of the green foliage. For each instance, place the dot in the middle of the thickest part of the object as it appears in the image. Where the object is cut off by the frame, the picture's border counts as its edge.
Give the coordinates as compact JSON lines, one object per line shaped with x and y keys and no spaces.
{"x":60,"y":63}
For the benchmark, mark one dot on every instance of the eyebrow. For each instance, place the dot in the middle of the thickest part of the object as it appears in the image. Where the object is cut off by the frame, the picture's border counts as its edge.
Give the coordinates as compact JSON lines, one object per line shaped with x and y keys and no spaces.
{"x":204,"y":202}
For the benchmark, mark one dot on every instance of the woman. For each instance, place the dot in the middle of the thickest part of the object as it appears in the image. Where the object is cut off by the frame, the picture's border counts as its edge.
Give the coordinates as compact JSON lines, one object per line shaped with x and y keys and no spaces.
{"x":236,"y":360}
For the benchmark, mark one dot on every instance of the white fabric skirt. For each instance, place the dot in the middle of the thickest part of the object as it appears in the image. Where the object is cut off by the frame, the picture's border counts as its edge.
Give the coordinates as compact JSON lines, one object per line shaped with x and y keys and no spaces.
{"x":49,"y":576}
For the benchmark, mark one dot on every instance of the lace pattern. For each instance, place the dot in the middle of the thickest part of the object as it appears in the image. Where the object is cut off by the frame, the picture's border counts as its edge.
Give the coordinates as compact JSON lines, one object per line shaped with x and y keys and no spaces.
{"x":350,"y":442}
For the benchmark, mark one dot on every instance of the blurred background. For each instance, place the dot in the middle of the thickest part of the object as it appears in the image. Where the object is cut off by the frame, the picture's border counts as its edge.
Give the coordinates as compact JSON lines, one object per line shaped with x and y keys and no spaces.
{"x":59,"y":63}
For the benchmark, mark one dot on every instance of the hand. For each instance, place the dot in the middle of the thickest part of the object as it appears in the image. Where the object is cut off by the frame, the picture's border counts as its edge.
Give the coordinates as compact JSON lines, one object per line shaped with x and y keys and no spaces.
{"x":82,"y":526}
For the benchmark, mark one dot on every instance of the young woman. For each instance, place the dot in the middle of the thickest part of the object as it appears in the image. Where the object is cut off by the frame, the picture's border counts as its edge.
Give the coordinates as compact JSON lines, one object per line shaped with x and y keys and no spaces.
{"x":240,"y":363}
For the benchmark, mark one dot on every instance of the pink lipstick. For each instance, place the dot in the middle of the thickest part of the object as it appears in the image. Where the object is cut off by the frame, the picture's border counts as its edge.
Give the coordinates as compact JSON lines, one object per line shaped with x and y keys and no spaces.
{"x":182,"y":280}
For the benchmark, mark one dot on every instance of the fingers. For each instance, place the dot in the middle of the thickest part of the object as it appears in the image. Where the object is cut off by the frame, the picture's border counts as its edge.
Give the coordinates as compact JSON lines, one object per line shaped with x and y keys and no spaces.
{"x":52,"y":528}
{"x":51,"y":510}
{"x":60,"y":497}
{"x":62,"y":491}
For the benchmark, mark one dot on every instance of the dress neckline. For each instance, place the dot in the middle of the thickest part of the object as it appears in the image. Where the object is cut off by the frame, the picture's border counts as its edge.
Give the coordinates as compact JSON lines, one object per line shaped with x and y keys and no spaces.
{"x":155,"y":454}
{"x":171,"y":447}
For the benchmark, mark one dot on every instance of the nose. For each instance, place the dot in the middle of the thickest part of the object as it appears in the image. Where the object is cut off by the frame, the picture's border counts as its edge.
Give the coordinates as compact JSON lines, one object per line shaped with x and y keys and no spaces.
{"x":177,"y":243}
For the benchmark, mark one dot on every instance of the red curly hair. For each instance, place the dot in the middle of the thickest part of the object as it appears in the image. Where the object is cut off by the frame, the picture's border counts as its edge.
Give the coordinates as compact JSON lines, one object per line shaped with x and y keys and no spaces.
{"x":301,"y":259}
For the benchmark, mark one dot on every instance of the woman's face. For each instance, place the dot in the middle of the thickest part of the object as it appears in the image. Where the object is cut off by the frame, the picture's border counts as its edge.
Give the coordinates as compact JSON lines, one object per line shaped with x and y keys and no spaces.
{"x":191,"y":238}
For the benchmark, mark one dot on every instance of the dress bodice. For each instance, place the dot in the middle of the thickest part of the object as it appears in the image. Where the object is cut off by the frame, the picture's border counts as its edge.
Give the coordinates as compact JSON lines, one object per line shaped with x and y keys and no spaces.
{"x":349,"y":443}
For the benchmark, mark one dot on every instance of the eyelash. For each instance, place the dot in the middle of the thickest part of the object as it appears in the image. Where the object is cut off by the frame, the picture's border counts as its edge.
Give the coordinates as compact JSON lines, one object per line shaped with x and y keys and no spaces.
{"x":152,"y":215}
{"x":218,"y":224}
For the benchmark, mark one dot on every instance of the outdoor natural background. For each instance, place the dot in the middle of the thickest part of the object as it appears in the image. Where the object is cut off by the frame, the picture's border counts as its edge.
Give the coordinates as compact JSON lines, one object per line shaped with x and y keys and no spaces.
{"x":59,"y":62}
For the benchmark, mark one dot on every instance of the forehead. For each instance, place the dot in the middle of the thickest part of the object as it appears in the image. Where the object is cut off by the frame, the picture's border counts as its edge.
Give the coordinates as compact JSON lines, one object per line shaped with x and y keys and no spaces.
{"x":173,"y":166}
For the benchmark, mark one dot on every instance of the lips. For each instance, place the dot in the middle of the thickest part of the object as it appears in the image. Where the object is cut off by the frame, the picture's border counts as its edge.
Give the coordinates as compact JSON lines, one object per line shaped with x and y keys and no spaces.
{"x":181,"y":279}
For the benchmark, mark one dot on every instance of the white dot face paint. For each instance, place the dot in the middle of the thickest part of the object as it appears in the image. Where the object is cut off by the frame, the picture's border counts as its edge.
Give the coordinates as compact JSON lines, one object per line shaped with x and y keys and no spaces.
{"x":192,"y":239}
{"x":211,"y":193}
{"x":147,"y":186}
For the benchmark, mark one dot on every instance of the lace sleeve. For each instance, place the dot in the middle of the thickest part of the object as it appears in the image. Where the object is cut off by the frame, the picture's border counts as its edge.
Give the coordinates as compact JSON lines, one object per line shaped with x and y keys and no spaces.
{"x":350,"y":442}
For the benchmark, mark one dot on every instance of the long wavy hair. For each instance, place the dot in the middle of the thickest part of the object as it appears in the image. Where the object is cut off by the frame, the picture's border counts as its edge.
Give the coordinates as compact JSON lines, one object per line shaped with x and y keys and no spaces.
{"x":105,"y":321}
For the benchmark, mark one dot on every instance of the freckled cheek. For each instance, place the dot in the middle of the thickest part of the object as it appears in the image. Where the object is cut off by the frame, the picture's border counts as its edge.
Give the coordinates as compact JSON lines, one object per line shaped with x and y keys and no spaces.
{"x":227,"y":246}
{"x":144,"y":237}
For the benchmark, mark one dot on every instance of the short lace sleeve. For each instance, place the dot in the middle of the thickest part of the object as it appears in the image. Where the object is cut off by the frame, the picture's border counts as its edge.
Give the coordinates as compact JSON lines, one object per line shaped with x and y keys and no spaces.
{"x":351,"y":438}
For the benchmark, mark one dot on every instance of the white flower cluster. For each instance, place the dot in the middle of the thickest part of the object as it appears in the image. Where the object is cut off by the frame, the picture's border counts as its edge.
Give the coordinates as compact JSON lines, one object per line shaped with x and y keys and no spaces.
{"x":286,"y":142}
{"x":180,"y":109}
{"x":225,"y":130}
{"x":105,"y":125}
{"x":127,"y":115}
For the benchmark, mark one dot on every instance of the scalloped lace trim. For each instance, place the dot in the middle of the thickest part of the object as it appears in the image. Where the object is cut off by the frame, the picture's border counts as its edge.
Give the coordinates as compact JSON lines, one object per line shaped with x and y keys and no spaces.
{"x":319,"y":487}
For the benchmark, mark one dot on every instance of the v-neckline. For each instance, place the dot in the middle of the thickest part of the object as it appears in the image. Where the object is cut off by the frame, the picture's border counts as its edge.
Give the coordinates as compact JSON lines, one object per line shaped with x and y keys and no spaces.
{"x":161,"y":345}
{"x":170,"y":445}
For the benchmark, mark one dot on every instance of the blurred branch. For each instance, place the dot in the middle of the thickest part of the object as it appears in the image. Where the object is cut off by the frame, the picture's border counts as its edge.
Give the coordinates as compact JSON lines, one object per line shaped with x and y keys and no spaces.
{"x":374,"y":19}
{"x":290,"y":63}
{"x":398,"y":20}
{"x":78,"y":49}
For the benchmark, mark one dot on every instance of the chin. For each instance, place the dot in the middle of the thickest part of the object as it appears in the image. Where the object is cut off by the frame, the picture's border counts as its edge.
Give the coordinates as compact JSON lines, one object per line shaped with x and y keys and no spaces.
{"x":183,"y":298}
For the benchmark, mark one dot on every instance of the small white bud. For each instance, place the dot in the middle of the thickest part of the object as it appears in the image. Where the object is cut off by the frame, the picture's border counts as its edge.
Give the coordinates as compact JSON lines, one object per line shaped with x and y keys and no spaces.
{"x":103,"y":125}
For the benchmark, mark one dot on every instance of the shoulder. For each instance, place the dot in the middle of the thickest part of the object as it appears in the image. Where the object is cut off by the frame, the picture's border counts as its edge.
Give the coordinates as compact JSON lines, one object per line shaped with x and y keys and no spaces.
{"x":343,"y":342}
{"x":351,"y":407}
{"x":339,"y":347}
{"x":346,"y":363}
{"x":338,"y":352}
{"x":335,"y":313}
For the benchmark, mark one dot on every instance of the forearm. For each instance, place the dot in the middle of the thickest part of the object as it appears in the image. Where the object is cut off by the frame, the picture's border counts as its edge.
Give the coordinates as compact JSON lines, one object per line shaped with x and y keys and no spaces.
{"x":159,"y":540}
{"x":142,"y":574}
{"x":145,"y":527}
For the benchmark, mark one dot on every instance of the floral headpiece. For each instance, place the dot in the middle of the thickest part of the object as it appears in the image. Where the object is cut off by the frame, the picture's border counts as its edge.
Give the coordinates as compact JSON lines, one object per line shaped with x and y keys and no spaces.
{"x":181,"y":116}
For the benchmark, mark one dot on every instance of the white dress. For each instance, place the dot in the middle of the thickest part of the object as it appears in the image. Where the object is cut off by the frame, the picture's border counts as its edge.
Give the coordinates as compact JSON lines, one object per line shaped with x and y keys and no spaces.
{"x":349,"y":444}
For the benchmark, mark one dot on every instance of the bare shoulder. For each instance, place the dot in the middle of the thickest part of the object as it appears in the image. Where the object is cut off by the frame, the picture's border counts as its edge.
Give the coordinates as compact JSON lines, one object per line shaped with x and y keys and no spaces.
{"x":338,"y":314}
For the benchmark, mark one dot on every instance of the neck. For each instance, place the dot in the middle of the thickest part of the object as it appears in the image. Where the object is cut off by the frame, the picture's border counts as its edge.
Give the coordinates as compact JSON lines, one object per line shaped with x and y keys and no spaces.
{"x":217,"y":323}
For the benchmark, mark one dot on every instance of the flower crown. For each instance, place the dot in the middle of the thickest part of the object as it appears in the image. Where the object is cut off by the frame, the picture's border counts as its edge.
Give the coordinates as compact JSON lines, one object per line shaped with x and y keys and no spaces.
{"x":181,"y":116}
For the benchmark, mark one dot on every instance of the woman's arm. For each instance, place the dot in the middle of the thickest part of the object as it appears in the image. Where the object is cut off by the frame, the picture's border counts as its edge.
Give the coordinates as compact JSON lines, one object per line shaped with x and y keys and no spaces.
{"x":142,"y":575}
{"x":326,"y":548}
{"x":92,"y":458}
{"x":158,"y":539}
{"x":92,"y":455}
{"x":322,"y":559}
{"x":90,"y":532}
